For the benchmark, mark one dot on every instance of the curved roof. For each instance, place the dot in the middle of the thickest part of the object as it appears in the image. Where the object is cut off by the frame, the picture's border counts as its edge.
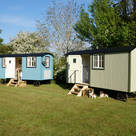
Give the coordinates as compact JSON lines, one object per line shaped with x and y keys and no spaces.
{"x":25,"y":55}
{"x":104,"y":50}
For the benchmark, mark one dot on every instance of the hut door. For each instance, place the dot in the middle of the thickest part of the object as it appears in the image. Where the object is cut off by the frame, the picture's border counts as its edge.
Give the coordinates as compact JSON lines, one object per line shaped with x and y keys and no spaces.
{"x":86,"y":68}
{"x":86,"y":74}
{"x":10,"y":67}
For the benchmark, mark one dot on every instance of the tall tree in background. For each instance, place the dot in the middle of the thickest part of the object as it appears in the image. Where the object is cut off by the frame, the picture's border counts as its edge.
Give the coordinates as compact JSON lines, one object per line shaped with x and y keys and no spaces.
{"x":26,"y":42}
{"x":108,"y":23}
{"x":57,"y":25}
{"x":126,"y":9}
{"x":4,"y":49}
{"x":1,"y":40}
{"x":101,"y":25}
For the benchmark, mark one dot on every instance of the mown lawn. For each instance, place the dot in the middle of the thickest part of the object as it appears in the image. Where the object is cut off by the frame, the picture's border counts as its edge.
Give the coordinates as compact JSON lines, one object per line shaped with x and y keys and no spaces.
{"x":48,"y":111}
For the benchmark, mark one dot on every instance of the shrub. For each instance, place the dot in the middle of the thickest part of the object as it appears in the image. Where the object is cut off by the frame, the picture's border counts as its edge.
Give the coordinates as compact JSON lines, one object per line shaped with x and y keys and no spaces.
{"x":60,"y":77}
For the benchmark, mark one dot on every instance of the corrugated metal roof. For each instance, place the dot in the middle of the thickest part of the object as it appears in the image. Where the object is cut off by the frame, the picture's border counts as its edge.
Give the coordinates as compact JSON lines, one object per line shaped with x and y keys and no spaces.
{"x":104,"y":50}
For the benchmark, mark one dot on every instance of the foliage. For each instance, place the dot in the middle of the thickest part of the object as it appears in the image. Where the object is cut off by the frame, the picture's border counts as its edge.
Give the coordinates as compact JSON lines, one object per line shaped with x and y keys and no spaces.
{"x":4,"y":49}
{"x":105,"y":25}
{"x":60,"y":72}
{"x":60,"y":77}
{"x":1,"y":40}
{"x":59,"y":64}
{"x":59,"y":69}
{"x":27,"y":42}
{"x":48,"y":111}
{"x":57,"y":25}
{"x":126,"y":9}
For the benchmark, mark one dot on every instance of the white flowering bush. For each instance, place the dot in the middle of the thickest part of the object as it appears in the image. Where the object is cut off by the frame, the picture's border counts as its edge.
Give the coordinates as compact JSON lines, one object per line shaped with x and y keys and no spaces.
{"x":26,"y":42}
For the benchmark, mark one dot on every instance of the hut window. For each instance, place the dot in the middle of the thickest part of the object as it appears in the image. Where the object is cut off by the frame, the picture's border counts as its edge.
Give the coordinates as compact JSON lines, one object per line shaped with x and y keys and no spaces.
{"x":47,"y":61}
{"x":98,"y":61}
{"x":31,"y":61}
{"x":4,"y":62}
{"x":74,"y":60}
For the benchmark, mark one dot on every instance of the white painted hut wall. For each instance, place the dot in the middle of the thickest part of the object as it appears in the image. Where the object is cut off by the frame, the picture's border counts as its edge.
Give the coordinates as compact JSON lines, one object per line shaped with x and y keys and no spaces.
{"x":72,"y":67}
{"x":132,"y":71}
{"x":10,"y":67}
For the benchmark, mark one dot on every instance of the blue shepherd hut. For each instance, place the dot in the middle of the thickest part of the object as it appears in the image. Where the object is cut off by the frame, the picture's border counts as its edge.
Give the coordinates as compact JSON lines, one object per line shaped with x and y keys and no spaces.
{"x":22,"y":67}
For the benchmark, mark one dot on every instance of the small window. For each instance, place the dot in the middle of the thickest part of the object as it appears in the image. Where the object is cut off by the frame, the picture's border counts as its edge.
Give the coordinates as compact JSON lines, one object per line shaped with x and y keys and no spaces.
{"x":4,"y":62}
{"x":31,"y":61}
{"x":74,"y":60}
{"x":47,"y":61}
{"x":98,"y":61}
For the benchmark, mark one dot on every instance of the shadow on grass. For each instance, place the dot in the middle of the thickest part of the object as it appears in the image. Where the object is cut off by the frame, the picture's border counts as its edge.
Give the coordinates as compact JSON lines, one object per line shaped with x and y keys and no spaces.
{"x":117,"y":95}
{"x":64,"y":85}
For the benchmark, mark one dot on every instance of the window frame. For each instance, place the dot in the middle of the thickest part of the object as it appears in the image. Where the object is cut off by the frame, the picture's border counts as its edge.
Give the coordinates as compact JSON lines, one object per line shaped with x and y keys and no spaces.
{"x":31,"y":62}
{"x":48,"y":62}
{"x":100,"y":62}
{"x":3,"y":65}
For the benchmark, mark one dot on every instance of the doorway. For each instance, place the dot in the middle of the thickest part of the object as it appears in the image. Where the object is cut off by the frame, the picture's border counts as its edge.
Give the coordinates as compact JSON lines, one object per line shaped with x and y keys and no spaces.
{"x":86,"y":68}
{"x":18,"y":70}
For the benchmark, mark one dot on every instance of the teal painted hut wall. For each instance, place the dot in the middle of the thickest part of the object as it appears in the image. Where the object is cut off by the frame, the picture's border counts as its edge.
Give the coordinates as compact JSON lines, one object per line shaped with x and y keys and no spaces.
{"x":38,"y":72}
{"x":47,"y":69}
{"x":33,"y":73}
{"x":2,"y":70}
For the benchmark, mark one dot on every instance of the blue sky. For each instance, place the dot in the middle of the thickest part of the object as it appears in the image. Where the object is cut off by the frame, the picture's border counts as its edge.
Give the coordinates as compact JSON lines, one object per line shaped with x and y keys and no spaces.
{"x":21,"y":15}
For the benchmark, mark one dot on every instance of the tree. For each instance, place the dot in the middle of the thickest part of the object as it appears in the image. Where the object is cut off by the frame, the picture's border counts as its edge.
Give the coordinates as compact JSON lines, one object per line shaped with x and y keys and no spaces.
{"x":102,"y":26}
{"x":1,"y":40}
{"x":4,"y":49}
{"x":126,"y":9}
{"x":26,"y":42}
{"x":58,"y":25}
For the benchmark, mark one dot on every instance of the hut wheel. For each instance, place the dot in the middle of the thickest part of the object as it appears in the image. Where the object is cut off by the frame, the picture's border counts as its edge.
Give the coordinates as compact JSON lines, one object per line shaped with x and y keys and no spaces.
{"x":123,"y":96}
{"x":36,"y":83}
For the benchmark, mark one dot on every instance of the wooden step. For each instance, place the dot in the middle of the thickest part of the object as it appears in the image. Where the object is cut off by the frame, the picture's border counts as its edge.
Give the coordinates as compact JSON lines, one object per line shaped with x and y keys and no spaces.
{"x":80,"y":89}
{"x":16,"y":83}
{"x":76,"y":93}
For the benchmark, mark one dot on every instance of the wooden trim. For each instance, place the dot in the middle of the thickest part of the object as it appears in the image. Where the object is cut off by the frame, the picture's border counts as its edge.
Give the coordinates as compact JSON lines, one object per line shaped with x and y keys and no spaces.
{"x":49,"y":61}
{"x":129,"y":72}
{"x":2,"y":62}
{"x":35,"y":62}
{"x":99,"y":68}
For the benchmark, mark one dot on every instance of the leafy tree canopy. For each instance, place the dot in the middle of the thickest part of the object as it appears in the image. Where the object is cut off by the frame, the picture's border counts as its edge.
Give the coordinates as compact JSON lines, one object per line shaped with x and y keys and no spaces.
{"x":1,"y":40}
{"x":26,"y":42}
{"x":108,"y":23}
{"x":4,"y":49}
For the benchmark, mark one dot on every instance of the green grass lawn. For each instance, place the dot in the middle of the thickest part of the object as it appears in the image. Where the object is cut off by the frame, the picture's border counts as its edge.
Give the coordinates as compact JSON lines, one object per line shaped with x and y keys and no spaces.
{"x":48,"y":111}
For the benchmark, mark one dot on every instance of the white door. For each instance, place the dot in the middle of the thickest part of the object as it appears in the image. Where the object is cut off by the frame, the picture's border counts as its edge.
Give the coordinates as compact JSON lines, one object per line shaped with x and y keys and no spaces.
{"x":74,"y":66}
{"x":10,"y":67}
